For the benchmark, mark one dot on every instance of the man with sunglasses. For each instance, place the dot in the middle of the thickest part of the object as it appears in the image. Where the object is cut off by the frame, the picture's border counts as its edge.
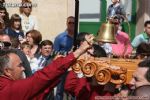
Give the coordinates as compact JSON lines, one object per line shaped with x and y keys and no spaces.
{"x":13,"y":87}
{"x":4,"y":45}
{"x":63,"y":43}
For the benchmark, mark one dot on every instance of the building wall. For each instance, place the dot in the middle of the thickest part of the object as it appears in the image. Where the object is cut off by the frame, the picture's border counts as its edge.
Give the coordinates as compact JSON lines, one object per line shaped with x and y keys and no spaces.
{"x":143,"y":14}
{"x":51,"y":15}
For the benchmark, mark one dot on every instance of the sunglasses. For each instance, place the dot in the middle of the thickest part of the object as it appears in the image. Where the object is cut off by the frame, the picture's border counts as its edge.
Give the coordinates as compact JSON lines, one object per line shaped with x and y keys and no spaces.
{"x":4,"y":45}
{"x":70,"y":22}
{"x":27,"y":6}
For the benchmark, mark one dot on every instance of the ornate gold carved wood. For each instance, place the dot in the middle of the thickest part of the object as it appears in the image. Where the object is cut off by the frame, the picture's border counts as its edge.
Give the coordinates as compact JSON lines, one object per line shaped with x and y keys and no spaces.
{"x":106,"y":70}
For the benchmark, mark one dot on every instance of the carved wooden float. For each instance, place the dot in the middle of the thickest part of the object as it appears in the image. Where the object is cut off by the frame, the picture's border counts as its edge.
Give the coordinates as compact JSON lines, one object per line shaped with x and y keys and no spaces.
{"x":106,"y":70}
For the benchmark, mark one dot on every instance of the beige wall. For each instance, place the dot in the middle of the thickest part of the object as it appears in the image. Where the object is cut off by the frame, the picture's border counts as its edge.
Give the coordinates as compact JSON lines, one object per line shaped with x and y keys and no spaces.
{"x":51,"y":15}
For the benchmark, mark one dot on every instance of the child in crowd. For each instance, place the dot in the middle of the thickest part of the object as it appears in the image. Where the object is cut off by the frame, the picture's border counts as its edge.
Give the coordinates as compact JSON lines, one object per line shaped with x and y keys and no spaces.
{"x":26,"y":48}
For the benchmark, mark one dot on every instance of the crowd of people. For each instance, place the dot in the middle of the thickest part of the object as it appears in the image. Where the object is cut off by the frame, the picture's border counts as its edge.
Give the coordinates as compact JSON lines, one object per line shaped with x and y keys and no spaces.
{"x":35,"y":69}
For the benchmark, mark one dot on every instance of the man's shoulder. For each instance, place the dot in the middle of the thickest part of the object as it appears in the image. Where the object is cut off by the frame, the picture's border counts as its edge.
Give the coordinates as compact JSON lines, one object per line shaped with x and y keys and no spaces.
{"x":110,"y":6}
{"x":141,"y":35}
{"x":61,"y":35}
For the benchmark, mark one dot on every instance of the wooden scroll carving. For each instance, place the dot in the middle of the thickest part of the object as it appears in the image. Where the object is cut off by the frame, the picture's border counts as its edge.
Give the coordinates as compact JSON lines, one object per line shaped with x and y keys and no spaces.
{"x":106,"y":70}
{"x":89,"y":69}
{"x":102,"y":75}
{"x":77,"y":66}
{"x":118,"y":76}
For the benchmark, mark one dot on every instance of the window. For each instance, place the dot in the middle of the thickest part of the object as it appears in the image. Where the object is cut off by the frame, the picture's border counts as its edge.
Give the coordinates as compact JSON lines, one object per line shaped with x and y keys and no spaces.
{"x":89,"y":10}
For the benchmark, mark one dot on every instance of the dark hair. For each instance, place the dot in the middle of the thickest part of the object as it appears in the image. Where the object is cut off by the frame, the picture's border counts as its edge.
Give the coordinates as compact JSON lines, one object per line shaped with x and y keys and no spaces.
{"x":81,"y":37}
{"x":143,"y":50}
{"x":146,"y":23}
{"x":6,"y":43}
{"x":6,"y":17}
{"x":15,"y":17}
{"x":98,"y":51}
{"x":2,"y":32}
{"x":36,"y":36}
{"x":146,"y":64}
{"x":15,"y":43}
{"x":70,"y":17}
{"x":117,"y":19}
{"x":2,"y":1}
{"x":2,"y":7}
{"x":46,"y":42}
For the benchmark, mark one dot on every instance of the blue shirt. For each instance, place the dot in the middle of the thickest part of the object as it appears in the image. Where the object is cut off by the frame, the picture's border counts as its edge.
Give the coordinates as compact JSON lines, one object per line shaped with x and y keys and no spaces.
{"x":63,"y":42}
{"x":143,"y":37}
{"x":13,"y":33}
{"x":115,"y":9}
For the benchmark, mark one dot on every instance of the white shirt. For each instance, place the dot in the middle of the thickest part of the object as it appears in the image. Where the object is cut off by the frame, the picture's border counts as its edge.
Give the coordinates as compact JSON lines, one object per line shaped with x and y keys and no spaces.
{"x":33,"y":63}
{"x":28,"y":23}
{"x":107,"y":47}
{"x":41,"y":60}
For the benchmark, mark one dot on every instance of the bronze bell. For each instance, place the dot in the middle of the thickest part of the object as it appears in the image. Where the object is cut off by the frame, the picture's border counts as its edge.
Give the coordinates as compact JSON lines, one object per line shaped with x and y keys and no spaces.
{"x":106,"y":33}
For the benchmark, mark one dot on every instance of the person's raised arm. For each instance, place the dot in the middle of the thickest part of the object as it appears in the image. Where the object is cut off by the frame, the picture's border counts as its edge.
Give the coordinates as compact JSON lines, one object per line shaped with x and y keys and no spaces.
{"x":84,"y":46}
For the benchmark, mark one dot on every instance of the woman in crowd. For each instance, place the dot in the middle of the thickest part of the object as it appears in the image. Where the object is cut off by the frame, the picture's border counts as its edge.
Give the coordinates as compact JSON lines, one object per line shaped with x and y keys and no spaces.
{"x":4,"y":16}
{"x":29,"y":22}
{"x":34,"y":37}
{"x":15,"y":28}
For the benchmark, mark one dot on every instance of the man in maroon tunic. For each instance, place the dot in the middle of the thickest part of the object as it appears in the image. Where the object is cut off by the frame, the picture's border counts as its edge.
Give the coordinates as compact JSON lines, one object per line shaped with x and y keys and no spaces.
{"x":13,"y":87}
